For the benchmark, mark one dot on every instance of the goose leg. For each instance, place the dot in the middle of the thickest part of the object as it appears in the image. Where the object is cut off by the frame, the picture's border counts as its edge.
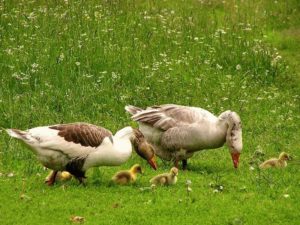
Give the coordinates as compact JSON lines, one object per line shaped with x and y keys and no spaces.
{"x":81,"y":180}
{"x":184,"y":164}
{"x":51,"y":179}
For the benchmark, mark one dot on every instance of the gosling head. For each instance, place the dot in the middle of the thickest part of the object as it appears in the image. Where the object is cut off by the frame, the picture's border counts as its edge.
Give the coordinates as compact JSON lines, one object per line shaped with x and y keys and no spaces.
{"x":284,"y":156}
{"x":174,"y":171}
{"x":136,"y":169}
{"x":143,"y":148}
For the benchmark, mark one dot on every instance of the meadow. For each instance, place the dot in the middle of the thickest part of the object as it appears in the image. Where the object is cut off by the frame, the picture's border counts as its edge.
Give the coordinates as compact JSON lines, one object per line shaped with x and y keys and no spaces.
{"x":68,"y":61}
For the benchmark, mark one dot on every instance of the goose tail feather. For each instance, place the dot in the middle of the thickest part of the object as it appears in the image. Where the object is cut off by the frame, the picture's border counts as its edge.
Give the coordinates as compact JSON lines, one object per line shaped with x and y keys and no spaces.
{"x":132,"y":109}
{"x":19,"y":134}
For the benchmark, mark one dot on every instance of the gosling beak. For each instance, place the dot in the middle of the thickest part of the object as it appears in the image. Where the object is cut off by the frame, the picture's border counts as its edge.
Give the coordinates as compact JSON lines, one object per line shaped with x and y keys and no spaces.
{"x":152,"y":163}
{"x":235,"y":159}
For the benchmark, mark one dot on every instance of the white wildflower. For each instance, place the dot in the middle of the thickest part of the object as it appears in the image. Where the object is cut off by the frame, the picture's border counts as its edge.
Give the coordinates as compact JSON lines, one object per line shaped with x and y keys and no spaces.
{"x":97,"y":15}
{"x":9,"y":51}
{"x":188,"y":182}
{"x":114,"y":75}
{"x":61,"y":57}
{"x":238,"y":67}
{"x":10,"y":174}
{"x":77,"y":63}
{"x":145,"y":67}
{"x":35,"y":65}
{"x":31,"y":16}
{"x":219,"y":67}
{"x":221,"y":31}
{"x":278,"y":57}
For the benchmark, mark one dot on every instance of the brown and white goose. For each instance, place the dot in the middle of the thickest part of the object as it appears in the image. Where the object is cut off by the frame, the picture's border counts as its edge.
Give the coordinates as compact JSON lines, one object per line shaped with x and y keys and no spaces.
{"x":176,"y":131}
{"x":76,"y":147}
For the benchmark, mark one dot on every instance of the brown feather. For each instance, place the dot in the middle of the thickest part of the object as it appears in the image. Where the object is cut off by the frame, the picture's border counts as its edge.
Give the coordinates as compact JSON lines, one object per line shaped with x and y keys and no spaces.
{"x":82,"y":133}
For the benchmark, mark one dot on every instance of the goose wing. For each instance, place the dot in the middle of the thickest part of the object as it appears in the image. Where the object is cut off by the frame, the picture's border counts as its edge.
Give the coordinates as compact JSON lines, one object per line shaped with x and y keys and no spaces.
{"x":168,"y":116}
{"x":82,"y":133}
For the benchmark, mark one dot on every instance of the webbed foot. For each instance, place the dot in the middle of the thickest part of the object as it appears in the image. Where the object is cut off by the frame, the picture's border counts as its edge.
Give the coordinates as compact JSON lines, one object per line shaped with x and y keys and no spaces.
{"x":50,"y":180}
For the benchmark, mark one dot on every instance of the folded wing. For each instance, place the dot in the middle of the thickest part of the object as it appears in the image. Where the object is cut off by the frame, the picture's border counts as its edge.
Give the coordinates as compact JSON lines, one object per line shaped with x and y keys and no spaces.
{"x":167,"y":116}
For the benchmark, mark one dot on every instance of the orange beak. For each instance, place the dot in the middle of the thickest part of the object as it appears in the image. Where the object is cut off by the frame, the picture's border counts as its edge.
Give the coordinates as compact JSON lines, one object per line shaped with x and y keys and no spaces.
{"x":152,"y":163}
{"x":235,"y":159}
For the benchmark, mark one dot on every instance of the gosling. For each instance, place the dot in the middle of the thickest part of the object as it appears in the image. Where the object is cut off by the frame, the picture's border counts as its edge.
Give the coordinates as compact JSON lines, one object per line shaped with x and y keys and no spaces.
{"x":127,"y":176}
{"x":166,"y":178}
{"x":60,"y":176}
{"x":277,"y":163}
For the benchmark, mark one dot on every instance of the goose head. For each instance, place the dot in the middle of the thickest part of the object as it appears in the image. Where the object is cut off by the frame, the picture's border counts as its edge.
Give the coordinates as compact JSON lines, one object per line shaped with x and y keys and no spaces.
{"x":233,"y":135}
{"x":143,"y":148}
{"x":139,"y":143}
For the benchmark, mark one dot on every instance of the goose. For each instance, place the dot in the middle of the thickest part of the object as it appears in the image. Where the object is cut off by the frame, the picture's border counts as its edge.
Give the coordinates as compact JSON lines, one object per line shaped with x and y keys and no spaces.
{"x":166,"y":178}
{"x":76,"y":147}
{"x":277,"y":163}
{"x":127,"y":176}
{"x":176,"y":131}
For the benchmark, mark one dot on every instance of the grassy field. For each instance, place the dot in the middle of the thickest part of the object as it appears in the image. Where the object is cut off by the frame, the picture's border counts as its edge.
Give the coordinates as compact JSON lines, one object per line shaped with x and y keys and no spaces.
{"x":67,"y":61}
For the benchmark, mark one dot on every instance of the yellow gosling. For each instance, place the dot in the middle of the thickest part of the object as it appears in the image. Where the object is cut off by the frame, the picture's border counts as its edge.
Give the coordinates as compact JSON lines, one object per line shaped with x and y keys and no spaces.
{"x":166,"y":178}
{"x":60,"y":176}
{"x":277,"y":163}
{"x":127,"y":176}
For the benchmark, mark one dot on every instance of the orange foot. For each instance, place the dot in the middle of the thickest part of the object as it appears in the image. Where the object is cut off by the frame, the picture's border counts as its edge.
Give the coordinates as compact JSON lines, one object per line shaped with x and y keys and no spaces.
{"x":51,"y":179}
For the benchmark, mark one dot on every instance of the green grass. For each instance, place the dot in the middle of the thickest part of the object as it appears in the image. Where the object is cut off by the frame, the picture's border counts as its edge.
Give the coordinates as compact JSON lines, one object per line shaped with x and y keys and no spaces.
{"x":66,"y":61}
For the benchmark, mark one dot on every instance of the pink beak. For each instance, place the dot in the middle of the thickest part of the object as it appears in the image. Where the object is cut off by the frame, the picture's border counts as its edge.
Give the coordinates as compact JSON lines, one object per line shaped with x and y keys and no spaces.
{"x":235,"y":159}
